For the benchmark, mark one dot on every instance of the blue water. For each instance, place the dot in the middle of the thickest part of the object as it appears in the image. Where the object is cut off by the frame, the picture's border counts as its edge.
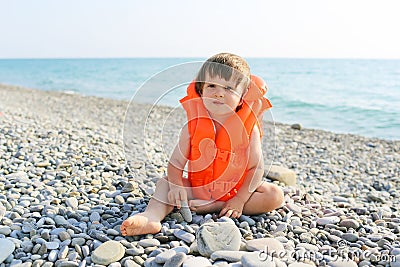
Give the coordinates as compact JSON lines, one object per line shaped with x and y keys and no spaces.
{"x":356,"y":96}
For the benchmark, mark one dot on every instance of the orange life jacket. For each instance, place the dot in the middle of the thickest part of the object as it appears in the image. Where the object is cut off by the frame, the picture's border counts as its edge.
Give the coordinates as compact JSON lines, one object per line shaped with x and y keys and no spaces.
{"x":217,"y":164}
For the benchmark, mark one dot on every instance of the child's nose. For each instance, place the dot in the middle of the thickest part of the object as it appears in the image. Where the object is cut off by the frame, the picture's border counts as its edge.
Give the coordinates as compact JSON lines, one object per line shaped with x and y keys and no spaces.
{"x":219,"y":92}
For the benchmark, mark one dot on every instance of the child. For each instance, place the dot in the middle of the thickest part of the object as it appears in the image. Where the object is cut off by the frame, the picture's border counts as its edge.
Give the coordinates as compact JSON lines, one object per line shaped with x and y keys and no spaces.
{"x":221,"y":144}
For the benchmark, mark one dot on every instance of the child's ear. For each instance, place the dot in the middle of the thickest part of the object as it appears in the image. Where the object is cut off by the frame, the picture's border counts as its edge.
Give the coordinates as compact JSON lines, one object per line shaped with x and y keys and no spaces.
{"x":245,"y":92}
{"x":240,"y":105}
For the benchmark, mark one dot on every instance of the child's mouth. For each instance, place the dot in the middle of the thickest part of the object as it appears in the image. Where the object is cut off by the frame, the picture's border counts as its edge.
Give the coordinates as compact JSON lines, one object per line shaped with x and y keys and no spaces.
{"x":218,"y":102}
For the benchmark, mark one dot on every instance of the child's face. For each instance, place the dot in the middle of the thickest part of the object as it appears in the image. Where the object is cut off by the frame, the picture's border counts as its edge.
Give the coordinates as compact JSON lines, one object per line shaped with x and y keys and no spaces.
{"x":220,"y":96}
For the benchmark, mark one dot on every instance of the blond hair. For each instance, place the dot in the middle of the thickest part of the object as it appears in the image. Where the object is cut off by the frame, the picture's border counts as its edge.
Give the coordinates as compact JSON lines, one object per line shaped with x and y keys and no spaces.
{"x":224,"y":65}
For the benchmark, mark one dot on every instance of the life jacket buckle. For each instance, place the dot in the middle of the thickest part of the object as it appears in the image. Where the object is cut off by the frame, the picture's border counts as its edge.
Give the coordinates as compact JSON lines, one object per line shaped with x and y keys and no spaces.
{"x":222,"y":186}
{"x":223,"y":155}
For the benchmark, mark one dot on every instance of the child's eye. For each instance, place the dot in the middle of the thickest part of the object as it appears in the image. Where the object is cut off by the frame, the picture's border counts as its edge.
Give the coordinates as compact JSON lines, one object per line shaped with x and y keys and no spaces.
{"x":211,"y":85}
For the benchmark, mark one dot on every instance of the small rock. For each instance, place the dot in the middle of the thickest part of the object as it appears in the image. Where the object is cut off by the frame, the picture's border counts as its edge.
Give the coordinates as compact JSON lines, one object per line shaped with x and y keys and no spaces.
{"x":72,"y":202}
{"x":185,"y":236}
{"x":5,"y":230}
{"x":300,"y":264}
{"x":135,"y":251}
{"x":375,"y":196}
{"x":95,"y":217}
{"x":62,"y":254}
{"x":164,"y":256}
{"x":69,"y":264}
{"x":255,"y":259}
{"x":129,"y":187}
{"x":197,"y":262}
{"x":185,"y":211}
{"x":119,"y":200}
{"x":176,"y":260}
{"x":305,"y":237}
{"x":307,"y":246}
{"x":296,"y":126}
{"x":350,"y":237}
{"x":43,"y":164}
{"x":328,"y":220}
{"x":64,"y":236}
{"x":78,"y":241}
{"x":130,"y":263}
{"x":228,"y":255}
{"x":294,"y":208}
{"x":52,"y":245}
{"x":53,"y":255}
{"x":340,"y":199}
{"x":395,"y":262}
{"x":268,"y":245}
{"x":184,"y":249}
{"x":395,"y":251}
{"x":350,"y":223}
{"x":2,"y":211}
{"x":60,"y":221}
{"x":247,"y":219}
{"x":149,"y":242}
{"x":343,"y":263}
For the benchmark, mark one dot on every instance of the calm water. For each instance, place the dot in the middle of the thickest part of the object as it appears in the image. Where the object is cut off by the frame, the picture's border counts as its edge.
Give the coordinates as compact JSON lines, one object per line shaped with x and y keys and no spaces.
{"x":340,"y":95}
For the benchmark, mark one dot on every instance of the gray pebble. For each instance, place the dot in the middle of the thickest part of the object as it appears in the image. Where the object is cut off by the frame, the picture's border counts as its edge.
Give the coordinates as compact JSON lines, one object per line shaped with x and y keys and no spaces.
{"x":95,"y":217}
{"x":149,"y":243}
{"x":135,"y":251}
{"x":53,"y":255}
{"x":350,"y":223}
{"x":254,"y":260}
{"x":52,"y":245}
{"x":185,"y":236}
{"x":175,"y":260}
{"x":197,"y":262}
{"x":164,"y":256}
{"x":72,"y":202}
{"x":185,"y":211}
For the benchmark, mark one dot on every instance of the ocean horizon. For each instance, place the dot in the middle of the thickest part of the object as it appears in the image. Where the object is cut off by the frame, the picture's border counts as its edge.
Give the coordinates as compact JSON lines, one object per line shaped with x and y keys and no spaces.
{"x":356,"y":96}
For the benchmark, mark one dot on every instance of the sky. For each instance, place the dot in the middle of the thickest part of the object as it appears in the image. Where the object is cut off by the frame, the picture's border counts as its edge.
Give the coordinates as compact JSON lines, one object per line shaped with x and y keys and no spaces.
{"x":178,"y":28}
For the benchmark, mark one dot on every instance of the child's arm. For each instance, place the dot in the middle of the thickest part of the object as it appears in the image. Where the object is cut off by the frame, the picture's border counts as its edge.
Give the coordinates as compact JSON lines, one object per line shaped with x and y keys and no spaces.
{"x":176,"y":165}
{"x":255,"y":170}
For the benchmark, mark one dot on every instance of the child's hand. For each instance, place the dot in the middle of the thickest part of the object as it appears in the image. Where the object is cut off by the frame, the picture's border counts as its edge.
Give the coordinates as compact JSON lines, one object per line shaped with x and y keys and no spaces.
{"x":176,"y":195}
{"x":233,"y":208}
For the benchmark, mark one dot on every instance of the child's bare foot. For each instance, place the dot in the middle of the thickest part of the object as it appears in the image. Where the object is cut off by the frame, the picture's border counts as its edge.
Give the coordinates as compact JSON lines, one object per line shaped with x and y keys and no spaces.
{"x":140,"y":224}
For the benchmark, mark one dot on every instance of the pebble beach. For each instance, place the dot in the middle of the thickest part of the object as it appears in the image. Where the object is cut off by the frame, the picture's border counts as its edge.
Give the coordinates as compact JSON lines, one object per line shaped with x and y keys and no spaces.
{"x":72,"y":168}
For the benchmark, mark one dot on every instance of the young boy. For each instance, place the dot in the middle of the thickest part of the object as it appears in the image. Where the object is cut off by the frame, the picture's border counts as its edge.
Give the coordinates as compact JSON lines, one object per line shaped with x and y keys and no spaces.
{"x":221,"y":145}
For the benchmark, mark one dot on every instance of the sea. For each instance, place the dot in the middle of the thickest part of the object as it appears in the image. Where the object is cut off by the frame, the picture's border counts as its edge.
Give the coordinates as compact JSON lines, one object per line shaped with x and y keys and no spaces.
{"x":356,"y":96}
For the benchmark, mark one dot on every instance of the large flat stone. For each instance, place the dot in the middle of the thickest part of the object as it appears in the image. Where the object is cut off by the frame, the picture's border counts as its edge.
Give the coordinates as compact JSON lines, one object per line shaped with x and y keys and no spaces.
{"x":6,"y":248}
{"x":108,"y":252}
{"x":281,"y":174}
{"x":216,"y":236}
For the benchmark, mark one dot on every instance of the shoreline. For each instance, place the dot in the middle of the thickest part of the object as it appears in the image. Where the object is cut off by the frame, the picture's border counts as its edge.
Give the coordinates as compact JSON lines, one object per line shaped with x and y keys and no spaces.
{"x":65,"y":185}
{"x":73,"y":93}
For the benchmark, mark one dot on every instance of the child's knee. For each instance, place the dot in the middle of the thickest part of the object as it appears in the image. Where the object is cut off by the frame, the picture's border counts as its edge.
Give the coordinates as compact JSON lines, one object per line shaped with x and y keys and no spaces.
{"x":276,"y":196}
{"x":279,"y":196}
{"x":162,"y":181}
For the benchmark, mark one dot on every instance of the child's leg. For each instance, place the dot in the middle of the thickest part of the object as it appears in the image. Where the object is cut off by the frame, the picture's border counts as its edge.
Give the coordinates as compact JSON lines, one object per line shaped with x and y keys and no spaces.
{"x":149,"y":221}
{"x":205,"y":206}
{"x":267,"y":197}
